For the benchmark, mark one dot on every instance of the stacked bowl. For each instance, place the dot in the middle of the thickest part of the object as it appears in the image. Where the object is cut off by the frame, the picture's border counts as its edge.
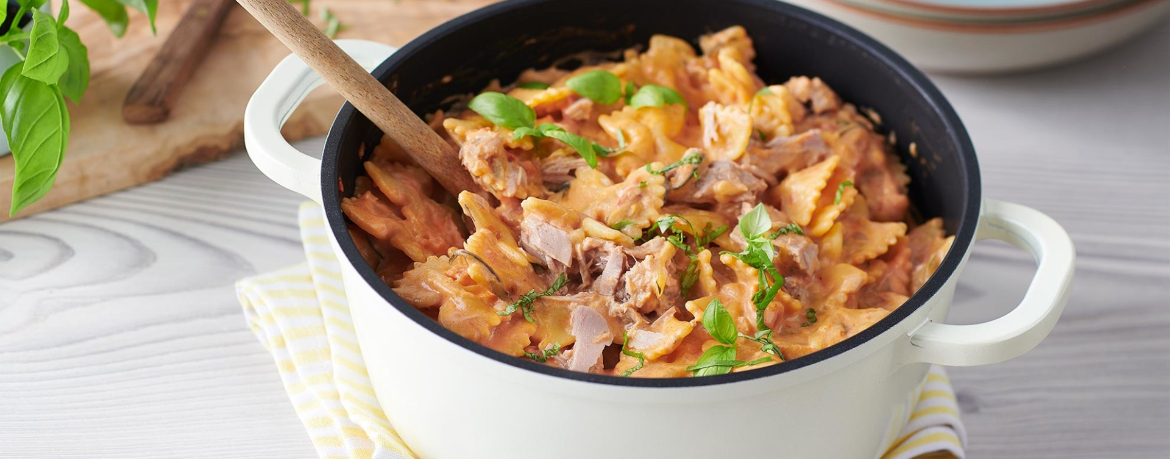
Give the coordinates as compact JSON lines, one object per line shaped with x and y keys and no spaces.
{"x":992,"y":36}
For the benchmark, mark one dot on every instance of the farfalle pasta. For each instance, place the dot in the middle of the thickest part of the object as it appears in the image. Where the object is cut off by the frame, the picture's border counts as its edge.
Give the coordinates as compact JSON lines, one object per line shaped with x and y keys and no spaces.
{"x":666,"y":215}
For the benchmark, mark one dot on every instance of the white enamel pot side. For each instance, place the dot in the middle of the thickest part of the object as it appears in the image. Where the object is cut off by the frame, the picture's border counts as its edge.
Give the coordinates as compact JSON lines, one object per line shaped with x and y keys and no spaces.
{"x":448,"y":402}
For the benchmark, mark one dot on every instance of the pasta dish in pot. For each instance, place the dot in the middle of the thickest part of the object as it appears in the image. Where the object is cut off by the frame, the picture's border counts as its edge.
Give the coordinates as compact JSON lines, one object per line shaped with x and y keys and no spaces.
{"x":665,"y":215}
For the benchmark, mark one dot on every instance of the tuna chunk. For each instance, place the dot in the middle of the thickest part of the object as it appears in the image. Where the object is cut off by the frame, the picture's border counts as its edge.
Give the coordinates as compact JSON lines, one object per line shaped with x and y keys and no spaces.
{"x":723,"y":182}
{"x":784,"y":155}
{"x":501,"y":172}
{"x":591,"y":332}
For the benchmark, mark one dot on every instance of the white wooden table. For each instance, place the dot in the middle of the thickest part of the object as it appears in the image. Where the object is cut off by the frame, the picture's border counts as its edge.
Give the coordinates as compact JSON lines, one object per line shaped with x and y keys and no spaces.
{"x":120,"y":334}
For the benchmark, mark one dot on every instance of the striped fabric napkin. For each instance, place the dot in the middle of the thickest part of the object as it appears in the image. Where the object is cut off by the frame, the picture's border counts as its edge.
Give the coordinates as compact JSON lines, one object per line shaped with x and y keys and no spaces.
{"x":301,"y":316}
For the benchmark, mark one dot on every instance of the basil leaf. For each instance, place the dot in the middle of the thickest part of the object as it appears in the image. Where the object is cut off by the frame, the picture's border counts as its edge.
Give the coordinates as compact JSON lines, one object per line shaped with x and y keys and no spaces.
{"x":36,"y":123}
{"x":583,"y":146}
{"x":622,"y":225}
{"x":112,"y":12}
{"x":63,"y":15}
{"x":44,"y":62}
{"x":710,"y":234}
{"x":150,"y":7}
{"x":503,"y":110}
{"x":630,"y":90}
{"x":532,"y":85}
{"x":765,"y":90}
{"x":597,"y":85}
{"x":755,"y":222}
{"x":810,"y":317}
{"x":653,"y":95}
{"x":716,"y":360}
{"x":75,"y":80}
{"x":719,"y":322}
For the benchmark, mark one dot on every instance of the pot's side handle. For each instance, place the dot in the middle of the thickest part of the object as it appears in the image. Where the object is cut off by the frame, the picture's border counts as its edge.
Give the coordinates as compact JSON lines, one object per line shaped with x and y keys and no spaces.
{"x":272,"y":104}
{"x":1024,"y":327}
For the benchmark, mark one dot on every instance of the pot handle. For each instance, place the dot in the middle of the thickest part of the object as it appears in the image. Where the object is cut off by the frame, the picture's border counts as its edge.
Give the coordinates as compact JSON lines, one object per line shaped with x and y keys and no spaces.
{"x":274,"y":101}
{"x":1025,"y":326}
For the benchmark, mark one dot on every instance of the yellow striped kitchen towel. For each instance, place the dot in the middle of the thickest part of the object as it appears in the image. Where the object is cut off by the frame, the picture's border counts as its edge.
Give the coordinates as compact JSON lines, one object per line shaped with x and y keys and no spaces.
{"x":300,"y":314}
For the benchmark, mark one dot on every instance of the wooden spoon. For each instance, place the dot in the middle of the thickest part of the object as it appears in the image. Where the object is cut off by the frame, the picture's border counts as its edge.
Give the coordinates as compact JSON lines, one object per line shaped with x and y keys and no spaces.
{"x":389,"y":114}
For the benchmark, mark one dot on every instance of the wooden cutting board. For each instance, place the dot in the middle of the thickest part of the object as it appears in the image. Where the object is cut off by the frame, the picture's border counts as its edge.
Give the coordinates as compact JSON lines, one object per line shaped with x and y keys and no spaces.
{"x":105,"y":154}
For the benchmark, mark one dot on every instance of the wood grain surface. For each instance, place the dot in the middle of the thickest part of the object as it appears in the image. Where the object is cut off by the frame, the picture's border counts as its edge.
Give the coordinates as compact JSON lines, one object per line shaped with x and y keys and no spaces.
{"x":151,"y":97}
{"x":206,"y":122}
{"x":120,"y":334}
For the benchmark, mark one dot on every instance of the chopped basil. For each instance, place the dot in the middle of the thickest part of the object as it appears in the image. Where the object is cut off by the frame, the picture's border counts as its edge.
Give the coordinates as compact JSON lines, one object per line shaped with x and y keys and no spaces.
{"x":653,"y":95}
{"x":641,"y":357}
{"x":840,"y":190}
{"x":695,"y":157}
{"x":763,"y":138}
{"x":630,"y":90}
{"x":532,"y":85}
{"x":643,"y":184}
{"x":786,"y":229}
{"x":524,"y":304}
{"x":503,"y":110}
{"x":544,"y":355}
{"x":765,"y":90}
{"x":810,"y":317}
{"x":622,"y":225}
{"x":764,"y":337}
{"x":710,"y":234}
{"x":597,"y":85}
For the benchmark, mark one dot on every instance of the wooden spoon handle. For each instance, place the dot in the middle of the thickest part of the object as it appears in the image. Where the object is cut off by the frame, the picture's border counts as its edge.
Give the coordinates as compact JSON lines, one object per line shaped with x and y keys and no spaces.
{"x":152,"y":96}
{"x":389,"y":114}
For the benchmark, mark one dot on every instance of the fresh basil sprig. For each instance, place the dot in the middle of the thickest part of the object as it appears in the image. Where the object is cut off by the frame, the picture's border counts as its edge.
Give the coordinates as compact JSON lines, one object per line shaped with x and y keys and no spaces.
{"x":719,"y":359}
{"x":665,"y":227}
{"x":597,"y":85}
{"x":512,"y":113}
{"x":32,"y":94}
{"x":532,"y":85}
{"x":764,"y":337}
{"x":524,"y":304}
{"x":759,"y":254}
{"x":786,"y":229}
{"x":653,"y":95}
{"x":623,"y":225}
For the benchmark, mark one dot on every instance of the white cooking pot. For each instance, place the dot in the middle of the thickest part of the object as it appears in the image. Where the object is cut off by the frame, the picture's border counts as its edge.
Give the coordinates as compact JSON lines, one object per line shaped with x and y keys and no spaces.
{"x":452,"y":399}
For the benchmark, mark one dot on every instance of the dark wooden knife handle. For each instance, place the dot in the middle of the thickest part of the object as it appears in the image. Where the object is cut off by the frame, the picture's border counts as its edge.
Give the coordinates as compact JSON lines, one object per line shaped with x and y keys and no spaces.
{"x":152,"y":96}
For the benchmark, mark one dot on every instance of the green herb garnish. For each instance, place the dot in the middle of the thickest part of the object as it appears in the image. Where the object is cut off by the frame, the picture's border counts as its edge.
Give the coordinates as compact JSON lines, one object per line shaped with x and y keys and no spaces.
{"x":532,"y":85}
{"x":759,"y":254}
{"x":641,"y":357}
{"x":786,"y":229}
{"x":718,"y":360}
{"x":810,"y":317}
{"x":695,"y":157}
{"x":763,"y":138}
{"x":653,"y":95}
{"x":524,"y":304}
{"x":643,"y":184}
{"x":622,"y":225}
{"x":840,"y":190}
{"x":764,"y":337}
{"x":764,"y":90}
{"x":710,"y":234}
{"x":55,"y":66}
{"x":584,"y":147}
{"x":719,"y":323}
{"x":503,"y":110}
{"x":597,"y":85}
{"x":630,"y":90}
{"x":545,"y":354}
